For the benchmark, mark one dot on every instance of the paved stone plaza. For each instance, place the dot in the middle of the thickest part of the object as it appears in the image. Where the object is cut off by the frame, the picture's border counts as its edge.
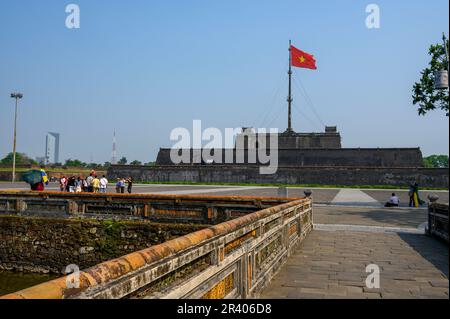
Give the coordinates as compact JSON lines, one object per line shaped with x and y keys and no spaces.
{"x":332,"y":264}
{"x":369,"y":216}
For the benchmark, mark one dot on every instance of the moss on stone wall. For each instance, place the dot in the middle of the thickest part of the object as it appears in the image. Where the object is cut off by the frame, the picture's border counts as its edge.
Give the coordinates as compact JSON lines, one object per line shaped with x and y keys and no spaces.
{"x":38,"y":244}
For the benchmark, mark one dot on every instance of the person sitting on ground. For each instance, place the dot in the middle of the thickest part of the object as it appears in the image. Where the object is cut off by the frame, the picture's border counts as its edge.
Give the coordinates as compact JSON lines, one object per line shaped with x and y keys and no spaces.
{"x":393,"y":201}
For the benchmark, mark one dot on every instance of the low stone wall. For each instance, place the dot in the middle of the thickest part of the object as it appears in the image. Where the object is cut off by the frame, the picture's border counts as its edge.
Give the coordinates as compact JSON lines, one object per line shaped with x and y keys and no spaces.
{"x":38,"y":244}
{"x":347,"y":176}
{"x":235,"y":259}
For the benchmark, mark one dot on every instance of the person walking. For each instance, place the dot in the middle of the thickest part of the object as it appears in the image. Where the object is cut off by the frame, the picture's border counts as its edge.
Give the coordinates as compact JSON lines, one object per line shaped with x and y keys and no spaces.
{"x":416,"y":197}
{"x":71,"y":184}
{"x":411,"y":195}
{"x":62,"y":183}
{"x":95,"y":184}
{"x":118,"y":186}
{"x":103,"y":184}
{"x":38,"y":186}
{"x":122,"y":185}
{"x":44,"y":177}
{"x":84,"y":185}
{"x":78,"y":185}
{"x":89,"y":180}
{"x":130,"y":184}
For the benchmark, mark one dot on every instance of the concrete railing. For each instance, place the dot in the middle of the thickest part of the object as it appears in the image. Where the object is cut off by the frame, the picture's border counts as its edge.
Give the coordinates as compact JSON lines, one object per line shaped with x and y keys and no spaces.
{"x":159,"y":208}
{"x":234,"y":259}
{"x":438,"y":220}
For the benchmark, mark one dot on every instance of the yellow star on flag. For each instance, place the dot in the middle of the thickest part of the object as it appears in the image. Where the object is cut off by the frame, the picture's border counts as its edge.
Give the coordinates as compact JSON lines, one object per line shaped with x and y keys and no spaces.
{"x":302,"y":59}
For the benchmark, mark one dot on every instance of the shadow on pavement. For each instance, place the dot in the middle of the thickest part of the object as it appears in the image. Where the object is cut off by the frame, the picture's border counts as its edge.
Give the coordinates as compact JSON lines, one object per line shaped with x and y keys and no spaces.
{"x":433,"y":250}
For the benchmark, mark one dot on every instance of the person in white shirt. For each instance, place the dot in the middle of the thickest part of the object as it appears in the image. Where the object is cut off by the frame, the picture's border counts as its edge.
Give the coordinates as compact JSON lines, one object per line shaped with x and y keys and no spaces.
{"x":89,"y":180}
{"x":103,"y":184}
{"x":393,"y":201}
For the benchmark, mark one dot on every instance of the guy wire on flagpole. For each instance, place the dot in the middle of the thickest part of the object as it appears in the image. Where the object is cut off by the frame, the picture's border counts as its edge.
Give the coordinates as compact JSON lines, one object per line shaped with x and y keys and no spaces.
{"x":309,"y":102}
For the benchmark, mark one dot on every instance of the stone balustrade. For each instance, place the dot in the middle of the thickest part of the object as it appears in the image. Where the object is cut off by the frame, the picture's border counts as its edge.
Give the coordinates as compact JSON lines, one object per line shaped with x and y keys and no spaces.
{"x":158,"y":208}
{"x":438,"y":220}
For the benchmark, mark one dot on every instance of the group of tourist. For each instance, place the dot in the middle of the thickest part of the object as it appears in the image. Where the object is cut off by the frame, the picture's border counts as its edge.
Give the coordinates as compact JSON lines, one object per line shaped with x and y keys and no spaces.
{"x":92,"y":184}
{"x":414,"y":198}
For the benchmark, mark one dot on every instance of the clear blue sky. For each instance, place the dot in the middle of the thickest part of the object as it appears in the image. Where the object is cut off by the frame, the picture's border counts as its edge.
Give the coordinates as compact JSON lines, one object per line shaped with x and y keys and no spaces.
{"x":146,"y":67}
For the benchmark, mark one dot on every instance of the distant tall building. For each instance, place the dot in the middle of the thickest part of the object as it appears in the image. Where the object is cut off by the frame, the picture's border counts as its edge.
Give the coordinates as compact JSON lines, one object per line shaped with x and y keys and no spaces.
{"x":52,"y":148}
{"x":114,"y":151}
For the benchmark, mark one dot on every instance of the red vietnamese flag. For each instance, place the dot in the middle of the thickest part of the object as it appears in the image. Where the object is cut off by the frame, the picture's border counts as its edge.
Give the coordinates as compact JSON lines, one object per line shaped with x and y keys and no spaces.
{"x":302,"y":59}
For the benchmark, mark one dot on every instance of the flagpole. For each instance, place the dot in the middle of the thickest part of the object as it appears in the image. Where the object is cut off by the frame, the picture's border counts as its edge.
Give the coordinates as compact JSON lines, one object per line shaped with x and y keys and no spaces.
{"x":289,"y":99}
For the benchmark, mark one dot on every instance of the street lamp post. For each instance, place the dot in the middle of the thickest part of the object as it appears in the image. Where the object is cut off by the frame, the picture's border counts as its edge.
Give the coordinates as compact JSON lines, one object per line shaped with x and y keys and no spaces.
{"x":16,"y":96}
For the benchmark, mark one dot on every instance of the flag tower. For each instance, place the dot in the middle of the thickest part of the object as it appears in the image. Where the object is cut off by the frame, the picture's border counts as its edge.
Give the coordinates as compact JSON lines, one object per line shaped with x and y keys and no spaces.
{"x":290,"y":99}
{"x":298,"y":59}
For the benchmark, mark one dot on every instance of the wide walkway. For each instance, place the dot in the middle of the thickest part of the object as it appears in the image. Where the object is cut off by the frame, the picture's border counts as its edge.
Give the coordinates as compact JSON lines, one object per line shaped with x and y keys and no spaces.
{"x":331,"y":262}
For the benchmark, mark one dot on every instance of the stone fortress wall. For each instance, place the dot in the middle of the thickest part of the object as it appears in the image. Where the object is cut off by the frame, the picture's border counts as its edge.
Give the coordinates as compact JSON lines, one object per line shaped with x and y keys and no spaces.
{"x":344,"y":157}
{"x":303,"y":159}
{"x":306,"y":149}
{"x":331,"y":175}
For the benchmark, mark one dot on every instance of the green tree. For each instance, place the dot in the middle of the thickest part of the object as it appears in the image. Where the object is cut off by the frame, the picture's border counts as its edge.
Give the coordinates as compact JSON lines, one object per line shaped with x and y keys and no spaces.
{"x":122,"y":161}
{"x":150,"y":164}
{"x":93,"y":165}
{"x":436,"y":161}
{"x":74,"y":163}
{"x":424,"y":94}
{"x":136,"y":163}
{"x":106,"y":164}
{"x":21,"y":159}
